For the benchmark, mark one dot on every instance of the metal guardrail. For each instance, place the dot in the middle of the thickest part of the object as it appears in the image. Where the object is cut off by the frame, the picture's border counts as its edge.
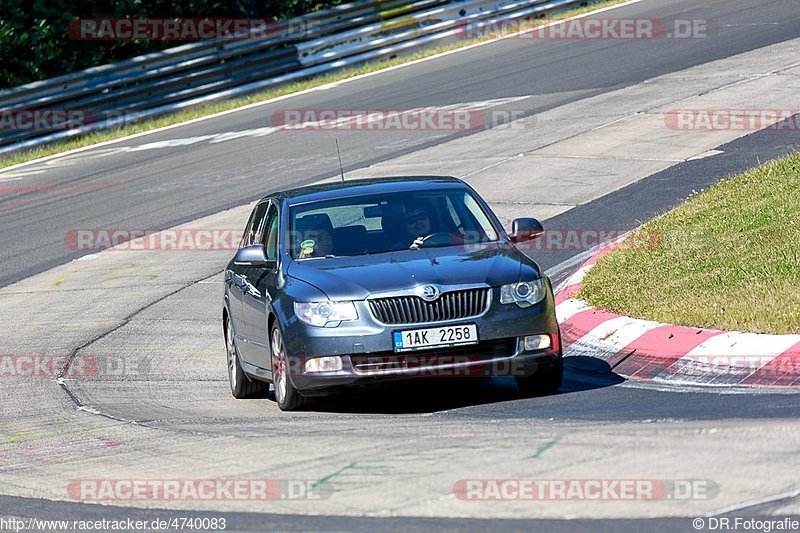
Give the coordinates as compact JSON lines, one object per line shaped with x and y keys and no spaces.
{"x":210,"y":71}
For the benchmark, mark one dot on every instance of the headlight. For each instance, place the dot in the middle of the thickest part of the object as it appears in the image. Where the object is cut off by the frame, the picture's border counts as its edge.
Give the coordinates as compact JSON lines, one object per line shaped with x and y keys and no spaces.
{"x":326,"y":313}
{"x":524,"y":293}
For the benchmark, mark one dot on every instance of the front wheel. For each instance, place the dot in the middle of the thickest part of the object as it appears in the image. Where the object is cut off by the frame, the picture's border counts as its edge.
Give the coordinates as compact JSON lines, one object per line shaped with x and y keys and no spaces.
{"x":543,"y":382}
{"x":241,"y":385}
{"x":286,"y":396}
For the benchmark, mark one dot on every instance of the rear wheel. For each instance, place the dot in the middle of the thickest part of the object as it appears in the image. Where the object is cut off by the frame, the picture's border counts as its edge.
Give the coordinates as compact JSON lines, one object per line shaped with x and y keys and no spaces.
{"x":286,"y":396}
{"x":241,"y":385}
{"x":544,"y":381}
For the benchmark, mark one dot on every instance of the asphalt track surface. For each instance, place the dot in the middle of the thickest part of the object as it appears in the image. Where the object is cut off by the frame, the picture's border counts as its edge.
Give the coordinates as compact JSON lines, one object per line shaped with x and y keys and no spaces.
{"x":164,"y":187}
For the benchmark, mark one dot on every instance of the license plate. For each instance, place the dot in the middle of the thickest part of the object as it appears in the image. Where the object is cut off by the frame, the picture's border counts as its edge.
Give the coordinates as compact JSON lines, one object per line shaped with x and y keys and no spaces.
{"x":418,"y":339}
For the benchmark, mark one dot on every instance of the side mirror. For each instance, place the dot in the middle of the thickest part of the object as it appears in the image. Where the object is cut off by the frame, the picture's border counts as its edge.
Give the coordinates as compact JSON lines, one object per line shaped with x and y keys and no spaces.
{"x":253,"y":255}
{"x":525,"y":229}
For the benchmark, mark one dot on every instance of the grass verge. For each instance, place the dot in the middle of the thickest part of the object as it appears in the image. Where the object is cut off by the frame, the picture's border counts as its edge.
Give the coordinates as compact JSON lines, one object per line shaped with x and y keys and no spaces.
{"x":728,"y":258}
{"x":201,"y":111}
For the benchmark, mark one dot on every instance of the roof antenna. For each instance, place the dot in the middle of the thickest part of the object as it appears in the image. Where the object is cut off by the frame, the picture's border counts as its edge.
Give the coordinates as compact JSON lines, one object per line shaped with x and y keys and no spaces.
{"x":338,"y":153}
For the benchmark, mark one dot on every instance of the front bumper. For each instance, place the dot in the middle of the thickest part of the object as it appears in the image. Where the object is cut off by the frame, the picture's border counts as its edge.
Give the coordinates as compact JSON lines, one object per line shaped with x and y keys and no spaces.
{"x":421,"y":365}
{"x":366,"y":348}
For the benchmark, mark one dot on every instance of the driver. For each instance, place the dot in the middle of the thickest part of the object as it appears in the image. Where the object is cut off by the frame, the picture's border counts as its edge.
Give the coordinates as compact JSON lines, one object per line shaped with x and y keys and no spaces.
{"x":417,"y":224}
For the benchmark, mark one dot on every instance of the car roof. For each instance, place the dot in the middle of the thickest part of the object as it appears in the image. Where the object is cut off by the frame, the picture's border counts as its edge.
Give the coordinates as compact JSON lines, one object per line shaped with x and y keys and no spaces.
{"x":358,"y":187}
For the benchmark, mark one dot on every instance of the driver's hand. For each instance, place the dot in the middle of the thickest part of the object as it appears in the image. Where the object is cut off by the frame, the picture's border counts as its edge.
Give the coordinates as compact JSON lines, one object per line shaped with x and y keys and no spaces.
{"x":417,"y":242}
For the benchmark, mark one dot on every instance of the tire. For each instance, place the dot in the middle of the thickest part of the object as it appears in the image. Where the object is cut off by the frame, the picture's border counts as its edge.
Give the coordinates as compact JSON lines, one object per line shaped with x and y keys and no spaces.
{"x":241,"y":385}
{"x":543,"y":382}
{"x":286,"y":396}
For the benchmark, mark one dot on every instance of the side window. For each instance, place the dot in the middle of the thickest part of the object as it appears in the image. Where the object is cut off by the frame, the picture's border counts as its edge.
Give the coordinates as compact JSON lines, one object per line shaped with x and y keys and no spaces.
{"x":271,"y":233}
{"x":252,"y":232}
{"x":248,"y":229}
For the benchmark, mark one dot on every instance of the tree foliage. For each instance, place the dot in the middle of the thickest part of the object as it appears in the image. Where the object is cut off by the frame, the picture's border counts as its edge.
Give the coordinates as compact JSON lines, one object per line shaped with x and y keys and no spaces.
{"x":35,"y":44}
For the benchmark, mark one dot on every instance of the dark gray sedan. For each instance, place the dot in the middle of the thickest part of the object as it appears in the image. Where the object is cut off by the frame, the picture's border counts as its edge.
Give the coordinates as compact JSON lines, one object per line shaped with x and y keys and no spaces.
{"x":352,"y":283}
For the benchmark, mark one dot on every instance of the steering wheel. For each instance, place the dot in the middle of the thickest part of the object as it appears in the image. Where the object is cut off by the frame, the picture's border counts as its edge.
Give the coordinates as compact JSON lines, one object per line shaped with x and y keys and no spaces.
{"x":440,"y":237}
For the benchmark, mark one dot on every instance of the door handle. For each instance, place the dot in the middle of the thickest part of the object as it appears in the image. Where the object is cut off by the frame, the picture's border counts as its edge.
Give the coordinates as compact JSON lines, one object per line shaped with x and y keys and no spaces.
{"x":252,"y":291}
{"x":249,"y":288}
{"x":237,"y":281}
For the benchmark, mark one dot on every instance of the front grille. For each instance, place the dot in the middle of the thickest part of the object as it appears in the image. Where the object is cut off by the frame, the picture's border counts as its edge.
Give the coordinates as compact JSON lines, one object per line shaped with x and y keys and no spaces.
{"x":484,"y":350}
{"x":452,"y":305}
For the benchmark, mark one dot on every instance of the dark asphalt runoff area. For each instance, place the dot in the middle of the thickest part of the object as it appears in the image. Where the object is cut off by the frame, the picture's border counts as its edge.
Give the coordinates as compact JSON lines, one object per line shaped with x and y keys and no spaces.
{"x":39,"y":509}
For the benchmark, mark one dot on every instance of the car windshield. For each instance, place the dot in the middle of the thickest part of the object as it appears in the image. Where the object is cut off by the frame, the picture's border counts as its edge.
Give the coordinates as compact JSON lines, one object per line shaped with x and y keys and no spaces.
{"x":388,"y":222}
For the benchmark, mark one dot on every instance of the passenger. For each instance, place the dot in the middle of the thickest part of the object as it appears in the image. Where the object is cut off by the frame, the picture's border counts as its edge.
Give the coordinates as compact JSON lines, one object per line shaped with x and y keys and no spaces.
{"x":317,"y":242}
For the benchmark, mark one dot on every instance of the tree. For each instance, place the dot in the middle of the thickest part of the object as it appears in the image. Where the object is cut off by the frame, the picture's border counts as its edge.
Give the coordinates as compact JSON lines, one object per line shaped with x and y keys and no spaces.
{"x":35,"y":44}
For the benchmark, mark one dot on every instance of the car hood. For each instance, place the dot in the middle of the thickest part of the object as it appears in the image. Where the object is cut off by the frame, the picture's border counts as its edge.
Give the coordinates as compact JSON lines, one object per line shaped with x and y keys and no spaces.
{"x":355,"y":278}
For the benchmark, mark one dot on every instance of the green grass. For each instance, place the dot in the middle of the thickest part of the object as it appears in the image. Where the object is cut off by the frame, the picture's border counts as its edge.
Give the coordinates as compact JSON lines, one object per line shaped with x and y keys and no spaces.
{"x":210,"y":109}
{"x":727,"y":258}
